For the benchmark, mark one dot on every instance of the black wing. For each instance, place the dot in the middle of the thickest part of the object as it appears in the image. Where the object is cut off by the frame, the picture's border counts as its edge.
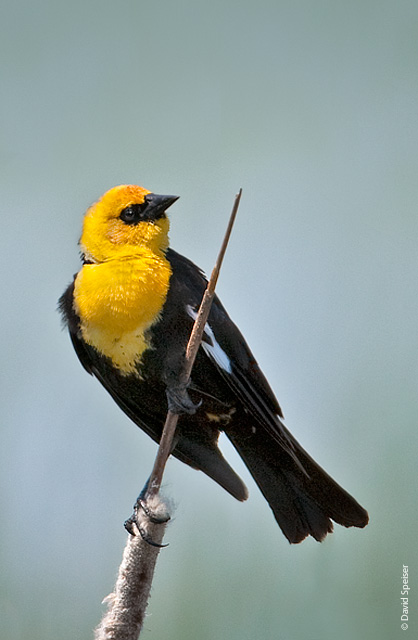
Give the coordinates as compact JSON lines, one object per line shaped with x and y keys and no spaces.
{"x":228,"y":351}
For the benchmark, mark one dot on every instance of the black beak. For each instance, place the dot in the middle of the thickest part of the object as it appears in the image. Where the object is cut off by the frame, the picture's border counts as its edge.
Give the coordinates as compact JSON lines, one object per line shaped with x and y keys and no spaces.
{"x":156,"y":205}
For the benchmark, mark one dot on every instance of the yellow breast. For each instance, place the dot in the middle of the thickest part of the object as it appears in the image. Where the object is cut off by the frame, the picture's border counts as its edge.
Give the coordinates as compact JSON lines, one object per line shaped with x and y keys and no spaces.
{"x":117,"y":301}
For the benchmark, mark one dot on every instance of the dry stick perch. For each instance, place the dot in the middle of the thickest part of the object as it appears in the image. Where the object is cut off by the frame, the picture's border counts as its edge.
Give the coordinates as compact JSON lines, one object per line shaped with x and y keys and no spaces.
{"x":127,"y":605}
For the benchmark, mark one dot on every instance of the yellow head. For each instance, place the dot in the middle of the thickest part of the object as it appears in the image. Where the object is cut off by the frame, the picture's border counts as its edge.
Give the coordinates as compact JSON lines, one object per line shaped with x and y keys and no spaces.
{"x":123,"y":222}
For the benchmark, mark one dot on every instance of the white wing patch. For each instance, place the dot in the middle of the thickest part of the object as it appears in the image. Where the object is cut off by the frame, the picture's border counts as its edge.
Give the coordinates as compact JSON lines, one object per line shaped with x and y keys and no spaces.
{"x":213,"y":350}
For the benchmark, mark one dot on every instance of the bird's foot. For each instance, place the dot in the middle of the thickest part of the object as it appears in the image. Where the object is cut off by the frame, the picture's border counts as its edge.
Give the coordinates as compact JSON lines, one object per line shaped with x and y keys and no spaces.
{"x":152,"y":510}
{"x":179,"y":400}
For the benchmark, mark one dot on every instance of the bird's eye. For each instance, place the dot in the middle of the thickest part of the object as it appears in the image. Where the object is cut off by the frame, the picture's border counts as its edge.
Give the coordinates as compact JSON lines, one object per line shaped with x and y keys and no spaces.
{"x":134,"y":213}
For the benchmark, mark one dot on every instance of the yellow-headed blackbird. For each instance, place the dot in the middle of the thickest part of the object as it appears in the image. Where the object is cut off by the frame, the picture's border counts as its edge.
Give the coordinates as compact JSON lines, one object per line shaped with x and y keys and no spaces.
{"x":130,"y":311}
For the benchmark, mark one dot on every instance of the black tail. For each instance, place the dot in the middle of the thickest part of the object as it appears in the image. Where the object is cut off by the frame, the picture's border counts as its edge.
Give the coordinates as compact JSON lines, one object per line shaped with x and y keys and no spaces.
{"x":303,"y":503}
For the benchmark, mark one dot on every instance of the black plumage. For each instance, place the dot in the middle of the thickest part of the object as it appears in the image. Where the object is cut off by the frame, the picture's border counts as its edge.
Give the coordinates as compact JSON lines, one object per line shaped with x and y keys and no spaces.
{"x":236,"y":398}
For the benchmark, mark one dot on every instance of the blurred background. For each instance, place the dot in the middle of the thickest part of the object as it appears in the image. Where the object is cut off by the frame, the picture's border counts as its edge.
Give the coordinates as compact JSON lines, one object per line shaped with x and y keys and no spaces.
{"x":311,"y":108}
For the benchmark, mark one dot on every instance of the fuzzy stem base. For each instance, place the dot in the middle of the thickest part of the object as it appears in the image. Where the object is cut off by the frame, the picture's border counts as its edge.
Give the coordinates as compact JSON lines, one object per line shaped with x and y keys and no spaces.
{"x":127,"y":605}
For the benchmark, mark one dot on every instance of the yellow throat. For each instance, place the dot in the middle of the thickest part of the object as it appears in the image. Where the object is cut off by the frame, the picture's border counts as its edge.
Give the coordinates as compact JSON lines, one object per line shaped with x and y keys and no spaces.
{"x":122,"y":292}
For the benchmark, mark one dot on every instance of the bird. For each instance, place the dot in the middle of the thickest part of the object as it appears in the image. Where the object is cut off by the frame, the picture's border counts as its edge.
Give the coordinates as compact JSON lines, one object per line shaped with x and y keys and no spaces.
{"x":130,"y":311}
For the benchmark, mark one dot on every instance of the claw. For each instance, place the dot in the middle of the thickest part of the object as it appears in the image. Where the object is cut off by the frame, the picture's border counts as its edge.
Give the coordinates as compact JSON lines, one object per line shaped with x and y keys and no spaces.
{"x":129,"y":525}
{"x":153,"y":516}
{"x":147,"y":538}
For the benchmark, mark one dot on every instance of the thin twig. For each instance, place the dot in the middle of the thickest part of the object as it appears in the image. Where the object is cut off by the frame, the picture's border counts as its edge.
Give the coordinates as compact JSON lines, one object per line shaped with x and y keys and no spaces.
{"x":170,"y":425}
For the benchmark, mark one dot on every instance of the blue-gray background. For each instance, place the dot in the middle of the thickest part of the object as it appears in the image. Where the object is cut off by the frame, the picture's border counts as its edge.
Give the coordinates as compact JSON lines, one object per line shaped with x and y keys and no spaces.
{"x":312,"y":108}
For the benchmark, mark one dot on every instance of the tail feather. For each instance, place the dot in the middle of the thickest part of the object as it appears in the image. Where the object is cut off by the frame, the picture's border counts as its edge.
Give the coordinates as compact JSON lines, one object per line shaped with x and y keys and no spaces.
{"x":303,"y":503}
{"x":208,"y":458}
